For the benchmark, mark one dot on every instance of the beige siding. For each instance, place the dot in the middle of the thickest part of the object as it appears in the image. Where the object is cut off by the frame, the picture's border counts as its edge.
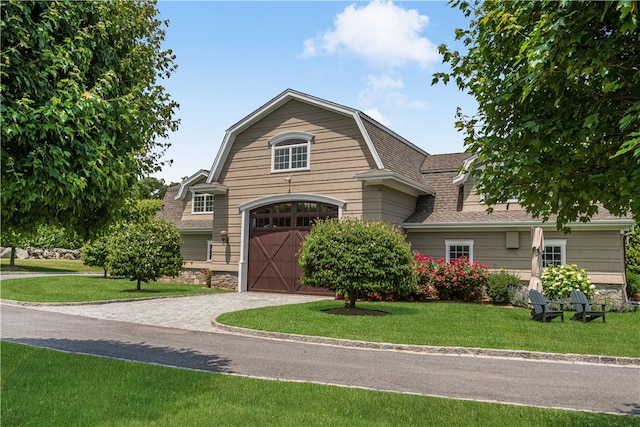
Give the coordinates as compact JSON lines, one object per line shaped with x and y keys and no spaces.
{"x":194,"y":247}
{"x":489,"y":248}
{"x":385,"y":204}
{"x":473,"y":200}
{"x":225,"y":256}
{"x":338,"y":152}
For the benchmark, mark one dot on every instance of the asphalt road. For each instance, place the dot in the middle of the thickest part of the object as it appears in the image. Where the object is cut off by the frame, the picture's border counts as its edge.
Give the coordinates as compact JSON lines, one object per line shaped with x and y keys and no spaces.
{"x":590,"y":387}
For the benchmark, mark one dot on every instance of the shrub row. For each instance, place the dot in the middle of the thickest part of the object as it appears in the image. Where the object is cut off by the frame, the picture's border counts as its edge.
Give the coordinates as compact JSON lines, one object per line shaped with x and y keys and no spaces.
{"x":439,"y":280}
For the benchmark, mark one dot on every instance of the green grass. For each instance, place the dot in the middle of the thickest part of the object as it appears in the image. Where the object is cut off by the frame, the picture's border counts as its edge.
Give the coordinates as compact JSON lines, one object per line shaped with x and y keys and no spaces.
{"x":44,"y":387}
{"x":450,"y":324}
{"x":90,"y":288}
{"x":47,"y":266}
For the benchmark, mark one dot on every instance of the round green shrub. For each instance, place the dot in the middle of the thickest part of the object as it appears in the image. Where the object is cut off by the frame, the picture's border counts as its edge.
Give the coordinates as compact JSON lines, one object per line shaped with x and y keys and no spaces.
{"x":632,"y":253}
{"x":633,"y":284}
{"x":458,"y":279}
{"x":560,"y":280}
{"x":355,"y":257}
{"x":502,"y":286}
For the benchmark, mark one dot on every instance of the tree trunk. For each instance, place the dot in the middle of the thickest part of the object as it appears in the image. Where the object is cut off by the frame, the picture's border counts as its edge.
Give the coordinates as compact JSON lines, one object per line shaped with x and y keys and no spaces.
{"x":138,"y":286}
{"x":105,"y":273}
{"x":12,"y":260}
{"x":353,"y":296}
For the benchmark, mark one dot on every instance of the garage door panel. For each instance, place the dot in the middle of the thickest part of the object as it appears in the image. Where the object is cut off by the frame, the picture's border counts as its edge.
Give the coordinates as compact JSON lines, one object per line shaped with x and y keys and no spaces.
{"x":266,"y":254}
{"x":270,"y":280}
{"x":274,"y":242}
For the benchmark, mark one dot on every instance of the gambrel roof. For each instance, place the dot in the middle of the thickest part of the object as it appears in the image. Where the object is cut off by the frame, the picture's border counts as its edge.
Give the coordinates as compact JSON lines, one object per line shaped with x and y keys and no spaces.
{"x":396,"y":159}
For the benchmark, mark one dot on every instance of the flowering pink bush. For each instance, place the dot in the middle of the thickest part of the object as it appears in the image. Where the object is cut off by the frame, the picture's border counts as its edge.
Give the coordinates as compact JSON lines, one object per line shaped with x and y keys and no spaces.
{"x":454,"y":280}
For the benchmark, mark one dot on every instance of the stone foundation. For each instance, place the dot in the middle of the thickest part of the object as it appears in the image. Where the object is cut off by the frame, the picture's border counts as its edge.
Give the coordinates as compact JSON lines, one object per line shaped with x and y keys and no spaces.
{"x":219,"y":279}
{"x":608,"y":294}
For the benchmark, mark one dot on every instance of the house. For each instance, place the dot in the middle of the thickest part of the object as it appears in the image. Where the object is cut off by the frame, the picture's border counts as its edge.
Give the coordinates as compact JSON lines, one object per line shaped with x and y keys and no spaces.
{"x":299,"y":157}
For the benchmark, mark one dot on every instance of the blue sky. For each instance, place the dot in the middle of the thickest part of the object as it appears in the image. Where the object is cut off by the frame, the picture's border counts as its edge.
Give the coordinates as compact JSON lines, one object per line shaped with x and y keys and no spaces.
{"x":377,"y":57}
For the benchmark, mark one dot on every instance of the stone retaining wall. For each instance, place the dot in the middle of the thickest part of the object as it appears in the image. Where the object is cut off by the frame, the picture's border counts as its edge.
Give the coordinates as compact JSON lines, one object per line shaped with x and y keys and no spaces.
{"x":221,"y":280}
{"x":35,"y":253}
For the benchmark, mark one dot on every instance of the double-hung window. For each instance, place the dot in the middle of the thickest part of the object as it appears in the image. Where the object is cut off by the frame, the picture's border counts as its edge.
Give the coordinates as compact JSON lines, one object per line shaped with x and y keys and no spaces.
{"x":555,"y":253}
{"x":290,"y":151}
{"x":202,"y":203}
{"x":459,"y":248}
{"x":209,"y":249}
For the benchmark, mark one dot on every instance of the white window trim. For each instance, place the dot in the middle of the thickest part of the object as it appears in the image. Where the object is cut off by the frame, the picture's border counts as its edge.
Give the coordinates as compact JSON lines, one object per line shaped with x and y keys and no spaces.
{"x":562,"y":243}
{"x":193,"y":204}
{"x":449,"y":243}
{"x":287,"y":136}
{"x":209,"y":250}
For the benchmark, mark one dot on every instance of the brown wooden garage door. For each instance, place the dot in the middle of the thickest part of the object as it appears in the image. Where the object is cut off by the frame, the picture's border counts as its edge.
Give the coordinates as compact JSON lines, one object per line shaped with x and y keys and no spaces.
{"x":275,"y":235}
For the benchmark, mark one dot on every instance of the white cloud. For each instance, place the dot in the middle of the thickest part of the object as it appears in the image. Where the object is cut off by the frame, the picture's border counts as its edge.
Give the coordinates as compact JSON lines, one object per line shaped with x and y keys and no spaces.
{"x":377,"y":116}
{"x":386,"y":89}
{"x":381,"y":33}
{"x":376,"y":87}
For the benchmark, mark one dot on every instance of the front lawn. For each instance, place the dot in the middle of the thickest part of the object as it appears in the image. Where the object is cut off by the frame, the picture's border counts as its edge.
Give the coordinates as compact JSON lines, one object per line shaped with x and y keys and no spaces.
{"x":45,"y":387}
{"x":47,"y":266}
{"x":450,"y":324}
{"x":90,"y":288}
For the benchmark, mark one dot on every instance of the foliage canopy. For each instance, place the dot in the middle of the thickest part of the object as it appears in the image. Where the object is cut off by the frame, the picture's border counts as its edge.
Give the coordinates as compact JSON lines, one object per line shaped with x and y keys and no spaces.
{"x":632,"y":252}
{"x":558,"y":88}
{"x":95,"y":251}
{"x":145,"y":251}
{"x":82,"y":109}
{"x":355,"y":257}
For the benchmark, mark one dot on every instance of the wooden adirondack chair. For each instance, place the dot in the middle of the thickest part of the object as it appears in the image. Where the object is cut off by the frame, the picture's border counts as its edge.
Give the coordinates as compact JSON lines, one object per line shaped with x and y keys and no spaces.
{"x":540,"y":308}
{"x":583,"y":309}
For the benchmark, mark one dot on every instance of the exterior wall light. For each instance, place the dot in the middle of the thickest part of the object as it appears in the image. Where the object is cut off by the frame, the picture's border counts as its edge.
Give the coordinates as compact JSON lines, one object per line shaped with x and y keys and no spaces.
{"x":224,"y":236}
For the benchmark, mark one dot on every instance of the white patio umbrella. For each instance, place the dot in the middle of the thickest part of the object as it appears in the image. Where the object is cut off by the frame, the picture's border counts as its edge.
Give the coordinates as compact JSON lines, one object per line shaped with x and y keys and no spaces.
{"x":537,"y":247}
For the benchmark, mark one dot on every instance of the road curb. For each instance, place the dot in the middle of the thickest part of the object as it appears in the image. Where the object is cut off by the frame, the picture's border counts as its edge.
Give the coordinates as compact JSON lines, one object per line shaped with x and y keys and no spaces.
{"x":436,"y":350}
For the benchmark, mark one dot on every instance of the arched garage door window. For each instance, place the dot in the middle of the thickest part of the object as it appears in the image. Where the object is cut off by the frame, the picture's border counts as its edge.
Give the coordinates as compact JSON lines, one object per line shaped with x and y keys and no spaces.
{"x":291,"y":215}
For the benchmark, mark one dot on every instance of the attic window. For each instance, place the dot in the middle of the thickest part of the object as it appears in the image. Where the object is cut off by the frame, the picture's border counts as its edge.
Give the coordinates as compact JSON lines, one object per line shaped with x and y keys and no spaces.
{"x":290,"y":151}
{"x":202,"y":203}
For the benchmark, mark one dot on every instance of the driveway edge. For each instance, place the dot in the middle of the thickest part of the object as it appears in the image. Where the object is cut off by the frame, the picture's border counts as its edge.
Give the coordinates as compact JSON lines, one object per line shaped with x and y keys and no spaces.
{"x":438,"y":350}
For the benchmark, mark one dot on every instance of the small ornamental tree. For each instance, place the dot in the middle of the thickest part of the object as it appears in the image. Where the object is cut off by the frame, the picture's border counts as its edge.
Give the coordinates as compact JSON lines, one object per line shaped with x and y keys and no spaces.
{"x":95,"y":252}
{"x":145,"y":251}
{"x":355,"y":257}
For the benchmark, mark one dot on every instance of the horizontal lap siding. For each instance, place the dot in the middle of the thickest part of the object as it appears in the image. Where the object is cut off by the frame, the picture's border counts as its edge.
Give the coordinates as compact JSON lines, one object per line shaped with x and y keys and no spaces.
{"x":490,"y":248}
{"x":386,"y":204}
{"x":338,"y":152}
{"x":597,"y":251}
{"x":194,"y":247}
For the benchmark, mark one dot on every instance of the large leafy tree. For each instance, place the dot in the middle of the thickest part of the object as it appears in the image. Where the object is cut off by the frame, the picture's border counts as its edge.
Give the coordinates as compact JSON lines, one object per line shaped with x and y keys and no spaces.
{"x":150,"y":188}
{"x":558,"y":88}
{"x":83,"y":110}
